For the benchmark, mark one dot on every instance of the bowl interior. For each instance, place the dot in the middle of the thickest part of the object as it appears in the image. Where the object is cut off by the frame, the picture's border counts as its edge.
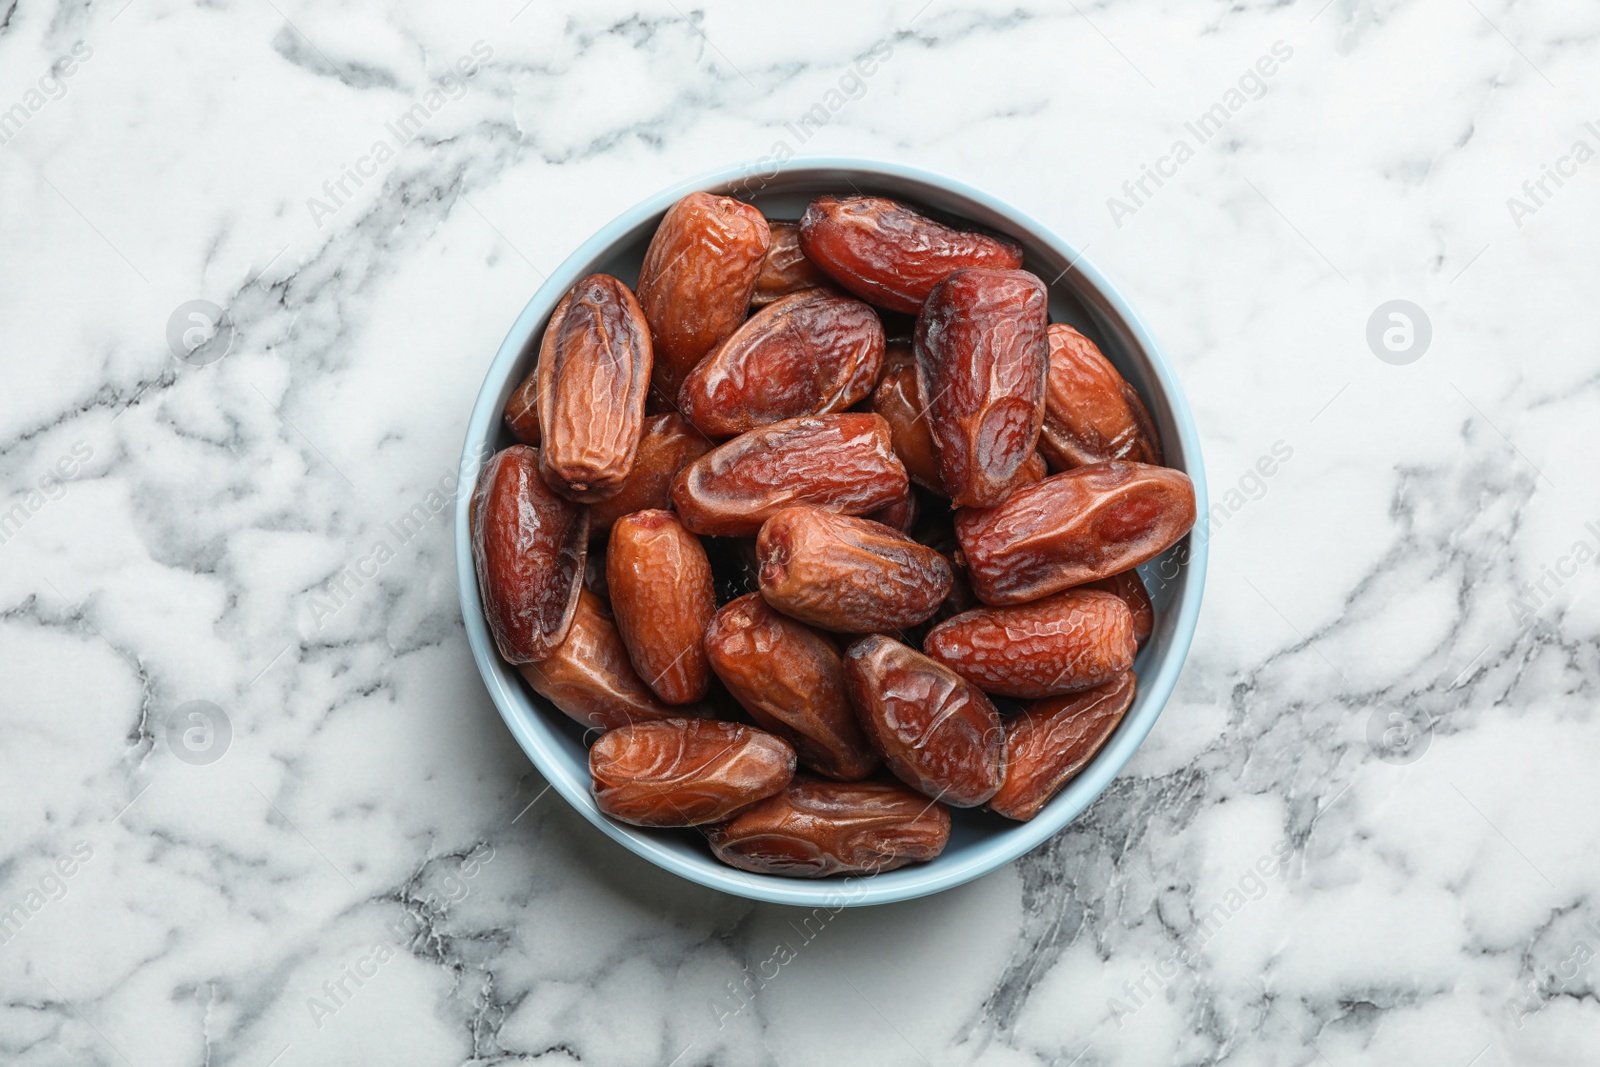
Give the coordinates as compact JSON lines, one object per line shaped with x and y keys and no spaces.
{"x":979,"y":841}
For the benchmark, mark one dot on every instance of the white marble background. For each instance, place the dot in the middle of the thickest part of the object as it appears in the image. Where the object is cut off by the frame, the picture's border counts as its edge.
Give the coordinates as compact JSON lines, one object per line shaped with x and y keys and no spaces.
{"x":370,"y":815}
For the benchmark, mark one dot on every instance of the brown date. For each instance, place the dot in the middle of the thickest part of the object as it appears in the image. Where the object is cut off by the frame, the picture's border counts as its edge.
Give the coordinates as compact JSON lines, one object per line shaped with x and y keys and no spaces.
{"x":812,"y":353}
{"x":902,"y":514}
{"x":1052,"y":740}
{"x":528,"y":545}
{"x":786,"y":269}
{"x":685,"y":772}
{"x":1091,"y":415}
{"x":838,"y":462}
{"x":936,"y":731}
{"x":815,"y":828}
{"x":1065,"y":643}
{"x":790,"y":679}
{"x":981,"y":361}
{"x":594,"y":372}
{"x":1080,"y":526}
{"x":661,"y":594}
{"x":667,"y":445}
{"x":1130,"y":587}
{"x":847,"y":574}
{"x":696,"y":280}
{"x":888,"y":254}
{"x":589,"y":675}
{"x":522,"y":411}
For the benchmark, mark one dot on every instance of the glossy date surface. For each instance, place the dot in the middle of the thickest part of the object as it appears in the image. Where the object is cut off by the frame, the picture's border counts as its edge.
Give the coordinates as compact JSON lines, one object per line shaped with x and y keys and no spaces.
{"x":1052,"y":741}
{"x":1091,"y":415}
{"x":590,"y":677}
{"x":1061,"y":644}
{"x":659,"y":582}
{"x":786,"y":269}
{"x":667,"y":444}
{"x":685,"y":772}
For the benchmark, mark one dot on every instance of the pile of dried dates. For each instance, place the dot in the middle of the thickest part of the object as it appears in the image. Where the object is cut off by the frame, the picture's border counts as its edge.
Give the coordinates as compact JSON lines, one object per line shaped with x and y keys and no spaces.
{"x":784,"y":524}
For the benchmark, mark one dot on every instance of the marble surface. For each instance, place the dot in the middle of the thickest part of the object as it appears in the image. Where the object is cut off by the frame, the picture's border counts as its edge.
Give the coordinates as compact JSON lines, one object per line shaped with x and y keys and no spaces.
{"x":1363,"y":830}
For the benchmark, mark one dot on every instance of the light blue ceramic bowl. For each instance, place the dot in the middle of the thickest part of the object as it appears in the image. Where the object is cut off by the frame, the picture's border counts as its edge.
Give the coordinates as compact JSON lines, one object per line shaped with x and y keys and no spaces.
{"x":1079,"y":294}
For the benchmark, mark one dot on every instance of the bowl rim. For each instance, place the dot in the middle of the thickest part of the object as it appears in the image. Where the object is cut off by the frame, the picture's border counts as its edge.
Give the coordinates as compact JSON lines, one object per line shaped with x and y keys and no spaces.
{"x":907,"y":882}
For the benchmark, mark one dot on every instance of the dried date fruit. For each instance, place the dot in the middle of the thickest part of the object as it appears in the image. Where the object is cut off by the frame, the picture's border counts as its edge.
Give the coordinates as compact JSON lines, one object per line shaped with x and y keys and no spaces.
{"x":812,"y":353}
{"x":589,"y":675}
{"x":522,"y":411}
{"x":661,"y":595}
{"x":902,"y":514}
{"x":786,"y":269}
{"x":935,"y":730}
{"x":594,"y":372}
{"x":1065,"y":643}
{"x":1091,"y":415}
{"x":696,"y":281}
{"x":847,"y":574}
{"x":666,"y":446}
{"x":528,"y":545}
{"x":888,"y":254}
{"x":1073,"y":528}
{"x":685,"y":772}
{"x":815,"y":828}
{"x":841,"y":463}
{"x":981,"y":361}
{"x":1130,"y":587}
{"x":790,"y":679}
{"x":1052,"y":740}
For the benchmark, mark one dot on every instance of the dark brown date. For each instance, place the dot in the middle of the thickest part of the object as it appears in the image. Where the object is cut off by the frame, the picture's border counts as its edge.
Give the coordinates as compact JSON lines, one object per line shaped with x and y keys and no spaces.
{"x":589,"y":675}
{"x":685,"y":772}
{"x":696,"y":280}
{"x":528,"y":545}
{"x":786,"y":269}
{"x":1065,"y":643}
{"x":594,"y":372}
{"x":1130,"y":587}
{"x":1053,"y":740}
{"x":902,"y":514}
{"x":889,"y":255}
{"x":936,"y":731}
{"x":1086,"y":524}
{"x":661,"y":594}
{"x":815,"y":828}
{"x":981,"y":361}
{"x":522,"y":411}
{"x":847,"y":574}
{"x":1091,"y":415}
{"x":812,"y":353}
{"x":790,"y":679}
{"x":667,"y":445}
{"x":841,"y":463}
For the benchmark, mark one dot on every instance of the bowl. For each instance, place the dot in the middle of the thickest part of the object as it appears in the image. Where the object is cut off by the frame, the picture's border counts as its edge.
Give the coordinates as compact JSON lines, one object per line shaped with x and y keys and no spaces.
{"x":980,"y":842}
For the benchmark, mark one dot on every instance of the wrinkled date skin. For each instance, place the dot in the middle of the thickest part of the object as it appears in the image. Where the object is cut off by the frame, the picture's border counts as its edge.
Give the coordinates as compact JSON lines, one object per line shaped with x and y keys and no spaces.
{"x":589,"y":675}
{"x":790,"y":679}
{"x":786,"y":269}
{"x":696,"y":281}
{"x":936,"y":731}
{"x":889,"y":255}
{"x":685,"y":772}
{"x":1130,"y":587}
{"x":812,"y":353}
{"x":666,"y":445}
{"x":815,"y":828}
{"x":522,"y":411}
{"x":841,"y":463}
{"x":594,"y":372}
{"x":528,"y":545}
{"x":1053,"y":740}
{"x":1091,"y":415}
{"x":902,"y":514}
{"x":662,"y":596}
{"x":1072,"y":528}
{"x":848,"y":575}
{"x":1065,"y":643}
{"x":981,"y":361}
